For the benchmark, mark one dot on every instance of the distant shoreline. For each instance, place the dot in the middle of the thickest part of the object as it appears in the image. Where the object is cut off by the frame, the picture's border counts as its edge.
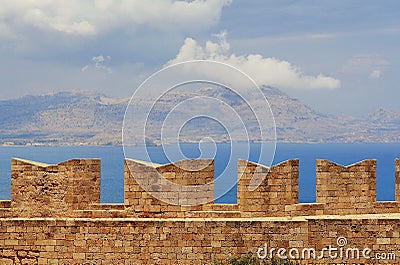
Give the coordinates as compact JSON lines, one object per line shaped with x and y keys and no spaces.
{"x":156,"y":145}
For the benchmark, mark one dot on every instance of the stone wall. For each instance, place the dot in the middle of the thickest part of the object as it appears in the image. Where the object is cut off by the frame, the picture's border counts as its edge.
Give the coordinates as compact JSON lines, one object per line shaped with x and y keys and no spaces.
{"x":346,"y":189}
{"x":42,"y":190}
{"x":54,"y":216}
{"x":166,"y":190}
{"x":194,"y":240}
{"x":185,"y":189}
{"x":264,"y":191}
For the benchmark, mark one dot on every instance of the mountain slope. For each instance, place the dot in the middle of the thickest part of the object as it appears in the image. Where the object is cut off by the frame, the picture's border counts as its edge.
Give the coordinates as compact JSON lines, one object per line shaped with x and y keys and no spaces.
{"x":90,"y":118}
{"x":66,"y":117}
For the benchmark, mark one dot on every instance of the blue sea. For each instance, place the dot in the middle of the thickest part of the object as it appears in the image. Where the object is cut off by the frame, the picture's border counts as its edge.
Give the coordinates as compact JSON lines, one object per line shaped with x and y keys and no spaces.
{"x":112,"y":165}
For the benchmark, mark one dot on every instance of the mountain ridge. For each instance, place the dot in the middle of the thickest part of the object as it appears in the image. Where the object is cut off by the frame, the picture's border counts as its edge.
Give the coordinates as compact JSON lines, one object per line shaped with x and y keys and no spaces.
{"x":89,"y":118}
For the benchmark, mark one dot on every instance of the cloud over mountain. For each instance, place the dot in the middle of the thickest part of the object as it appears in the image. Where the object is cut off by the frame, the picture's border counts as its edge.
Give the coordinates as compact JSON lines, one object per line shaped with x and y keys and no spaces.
{"x":267,"y":71}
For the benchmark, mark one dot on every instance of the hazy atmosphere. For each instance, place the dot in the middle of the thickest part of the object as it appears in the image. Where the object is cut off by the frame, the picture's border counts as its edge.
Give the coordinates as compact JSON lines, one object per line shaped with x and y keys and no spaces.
{"x":215,"y":132}
{"x":338,"y":57}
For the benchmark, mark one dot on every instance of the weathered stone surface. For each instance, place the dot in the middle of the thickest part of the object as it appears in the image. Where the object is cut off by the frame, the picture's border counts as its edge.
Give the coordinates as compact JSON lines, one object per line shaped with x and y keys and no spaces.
{"x":188,"y":182}
{"x":190,"y":240}
{"x":55,"y":216}
{"x":346,"y":189}
{"x":42,"y":190}
{"x":264,"y":191}
{"x":72,"y":189}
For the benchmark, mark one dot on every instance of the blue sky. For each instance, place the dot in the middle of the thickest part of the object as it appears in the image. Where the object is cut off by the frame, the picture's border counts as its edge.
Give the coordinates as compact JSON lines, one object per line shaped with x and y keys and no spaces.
{"x":339,"y":57}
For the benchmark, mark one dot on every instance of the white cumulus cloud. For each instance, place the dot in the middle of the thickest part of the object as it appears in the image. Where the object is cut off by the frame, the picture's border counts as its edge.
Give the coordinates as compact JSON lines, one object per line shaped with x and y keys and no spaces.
{"x":78,"y":17}
{"x":99,"y":62}
{"x":265,"y":71}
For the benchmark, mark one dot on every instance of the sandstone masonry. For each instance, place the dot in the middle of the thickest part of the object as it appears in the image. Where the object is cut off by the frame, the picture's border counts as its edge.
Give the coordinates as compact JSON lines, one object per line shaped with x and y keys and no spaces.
{"x":55,"y":215}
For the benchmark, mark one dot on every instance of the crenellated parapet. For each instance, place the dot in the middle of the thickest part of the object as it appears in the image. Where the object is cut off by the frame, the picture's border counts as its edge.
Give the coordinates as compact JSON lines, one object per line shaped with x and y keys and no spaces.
{"x":346,"y":189}
{"x":44,"y":190}
{"x":185,"y":189}
{"x":169,"y":190}
{"x":265,"y":191}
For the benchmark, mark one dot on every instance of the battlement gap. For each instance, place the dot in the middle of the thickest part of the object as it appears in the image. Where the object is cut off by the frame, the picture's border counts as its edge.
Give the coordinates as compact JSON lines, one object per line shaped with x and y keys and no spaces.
{"x":72,"y":189}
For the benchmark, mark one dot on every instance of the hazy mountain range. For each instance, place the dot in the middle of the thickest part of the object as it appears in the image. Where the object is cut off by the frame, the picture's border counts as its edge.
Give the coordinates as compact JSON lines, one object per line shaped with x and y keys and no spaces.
{"x":74,"y":117}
